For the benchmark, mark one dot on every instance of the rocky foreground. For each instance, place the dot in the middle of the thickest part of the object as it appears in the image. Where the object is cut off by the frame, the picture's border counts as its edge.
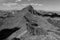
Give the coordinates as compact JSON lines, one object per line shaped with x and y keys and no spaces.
{"x":29,"y":24}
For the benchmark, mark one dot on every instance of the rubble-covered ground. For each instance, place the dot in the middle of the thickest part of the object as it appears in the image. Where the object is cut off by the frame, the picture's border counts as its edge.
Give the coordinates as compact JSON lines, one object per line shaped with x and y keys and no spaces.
{"x":29,"y":24}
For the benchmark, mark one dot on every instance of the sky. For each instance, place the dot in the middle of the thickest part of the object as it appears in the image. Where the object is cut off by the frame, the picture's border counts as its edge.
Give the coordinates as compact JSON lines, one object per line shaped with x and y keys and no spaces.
{"x":49,"y":5}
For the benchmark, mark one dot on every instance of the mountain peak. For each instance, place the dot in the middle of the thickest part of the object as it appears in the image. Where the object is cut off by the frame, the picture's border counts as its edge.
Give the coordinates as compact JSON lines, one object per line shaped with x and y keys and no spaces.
{"x":29,"y":8}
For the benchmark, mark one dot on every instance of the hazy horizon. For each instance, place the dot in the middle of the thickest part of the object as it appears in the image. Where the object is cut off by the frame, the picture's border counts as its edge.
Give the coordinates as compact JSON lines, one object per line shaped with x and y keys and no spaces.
{"x":49,"y":5}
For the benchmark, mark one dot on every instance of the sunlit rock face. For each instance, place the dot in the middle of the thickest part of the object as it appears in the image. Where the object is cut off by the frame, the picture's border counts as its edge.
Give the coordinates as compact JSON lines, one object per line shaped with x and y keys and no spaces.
{"x":55,"y":23}
{"x":14,"y":15}
{"x":16,"y":20}
{"x":9,"y":20}
{"x":30,"y":19}
{"x":27,"y":17}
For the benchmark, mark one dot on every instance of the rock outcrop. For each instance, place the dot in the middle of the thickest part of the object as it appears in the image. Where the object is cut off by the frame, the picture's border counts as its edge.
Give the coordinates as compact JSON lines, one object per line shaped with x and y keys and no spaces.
{"x":26,"y":19}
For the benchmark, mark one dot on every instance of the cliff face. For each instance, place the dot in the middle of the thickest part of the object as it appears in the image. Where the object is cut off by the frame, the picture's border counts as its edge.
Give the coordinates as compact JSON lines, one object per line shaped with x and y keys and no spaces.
{"x":26,"y":19}
{"x":33,"y":17}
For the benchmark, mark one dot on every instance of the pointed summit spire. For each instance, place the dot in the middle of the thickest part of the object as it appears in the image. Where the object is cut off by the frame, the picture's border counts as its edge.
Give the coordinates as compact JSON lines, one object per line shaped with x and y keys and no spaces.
{"x":29,"y":8}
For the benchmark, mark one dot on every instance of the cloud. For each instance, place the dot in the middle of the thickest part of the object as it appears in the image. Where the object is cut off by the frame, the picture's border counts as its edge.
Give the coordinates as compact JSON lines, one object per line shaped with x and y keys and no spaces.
{"x":36,"y":4}
{"x":29,"y":0}
{"x":33,"y":4}
{"x":18,"y":0}
{"x":9,"y":4}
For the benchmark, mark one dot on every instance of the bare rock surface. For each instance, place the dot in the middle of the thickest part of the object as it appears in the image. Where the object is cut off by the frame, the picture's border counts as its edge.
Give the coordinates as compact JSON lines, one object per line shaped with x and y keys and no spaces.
{"x":31,"y":20}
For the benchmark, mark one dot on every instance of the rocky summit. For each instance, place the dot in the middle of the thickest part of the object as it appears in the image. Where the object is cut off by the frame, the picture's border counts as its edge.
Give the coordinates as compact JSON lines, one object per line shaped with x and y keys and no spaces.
{"x":15,"y":22}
